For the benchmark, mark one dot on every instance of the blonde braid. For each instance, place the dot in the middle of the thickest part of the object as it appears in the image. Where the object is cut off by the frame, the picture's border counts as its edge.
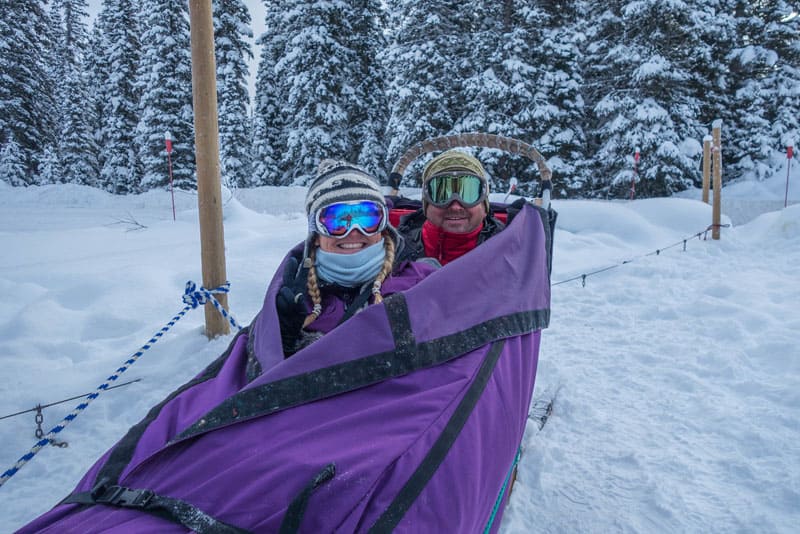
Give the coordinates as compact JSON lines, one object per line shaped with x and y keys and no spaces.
{"x":386,"y":270}
{"x":313,"y":289}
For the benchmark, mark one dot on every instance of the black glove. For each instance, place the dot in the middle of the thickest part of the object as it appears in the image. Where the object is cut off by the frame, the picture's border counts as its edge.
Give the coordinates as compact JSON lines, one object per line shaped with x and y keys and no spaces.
{"x":513,"y":209}
{"x":291,"y":304}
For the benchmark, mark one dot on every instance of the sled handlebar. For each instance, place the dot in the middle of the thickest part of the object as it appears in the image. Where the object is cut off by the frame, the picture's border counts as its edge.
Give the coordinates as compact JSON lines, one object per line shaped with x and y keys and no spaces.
{"x":445,"y":142}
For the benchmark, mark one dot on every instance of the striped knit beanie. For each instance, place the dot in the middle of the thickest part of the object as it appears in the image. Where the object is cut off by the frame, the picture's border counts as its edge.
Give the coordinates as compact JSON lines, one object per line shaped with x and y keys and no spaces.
{"x":339,"y":181}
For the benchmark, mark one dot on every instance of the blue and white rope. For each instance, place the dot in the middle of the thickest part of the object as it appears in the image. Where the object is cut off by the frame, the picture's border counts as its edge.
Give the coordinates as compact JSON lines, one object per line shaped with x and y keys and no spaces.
{"x":192,"y":297}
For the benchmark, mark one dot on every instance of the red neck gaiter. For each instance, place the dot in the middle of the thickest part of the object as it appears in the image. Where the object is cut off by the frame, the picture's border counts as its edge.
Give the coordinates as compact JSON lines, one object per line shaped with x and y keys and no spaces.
{"x":447,"y":246}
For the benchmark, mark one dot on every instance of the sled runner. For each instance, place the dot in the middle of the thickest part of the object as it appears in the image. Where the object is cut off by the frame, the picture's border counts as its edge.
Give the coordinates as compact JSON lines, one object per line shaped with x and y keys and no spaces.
{"x":407,"y":417}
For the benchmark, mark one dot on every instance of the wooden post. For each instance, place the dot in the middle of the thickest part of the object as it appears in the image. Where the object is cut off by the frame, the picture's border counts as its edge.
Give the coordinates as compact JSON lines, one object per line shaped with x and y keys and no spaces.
{"x":716,"y":209}
{"x":706,"y":166}
{"x":209,"y":190}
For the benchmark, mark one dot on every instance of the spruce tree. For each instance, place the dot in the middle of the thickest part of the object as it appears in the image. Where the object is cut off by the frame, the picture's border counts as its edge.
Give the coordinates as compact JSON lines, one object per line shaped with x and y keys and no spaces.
{"x":525,"y":84}
{"x":640,"y":72}
{"x":164,"y":81}
{"x":268,"y":118}
{"x":116,"y":55}
{"x":425,"y":65}
{"x":27,"y":106}
{"x":320,"y":84}
{"x":765,"y":88}
{"x":367,"y":107}
{"x":77,"y":149}
{"x":426,"y":82}
{"x":499,"y":84}
{"x":715,"y":25}
{"x":13,"y":169}
{"x":232,"y":51}
{"x":49,"y":167}
{"x":559,"y":113}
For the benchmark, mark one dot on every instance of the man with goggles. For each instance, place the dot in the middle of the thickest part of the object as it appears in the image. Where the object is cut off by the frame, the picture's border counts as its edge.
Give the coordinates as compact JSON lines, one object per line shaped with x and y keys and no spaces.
{"x":455,"y":215}
{"x":351,"y":258}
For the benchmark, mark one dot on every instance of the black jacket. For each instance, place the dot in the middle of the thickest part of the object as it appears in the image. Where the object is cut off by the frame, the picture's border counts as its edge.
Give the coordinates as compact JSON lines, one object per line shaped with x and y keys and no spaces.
{"x":410,"y":228}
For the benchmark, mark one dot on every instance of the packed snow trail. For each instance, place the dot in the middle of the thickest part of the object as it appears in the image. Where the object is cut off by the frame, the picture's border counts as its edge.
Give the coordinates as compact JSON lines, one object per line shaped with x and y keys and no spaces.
{"x":674,"y":414}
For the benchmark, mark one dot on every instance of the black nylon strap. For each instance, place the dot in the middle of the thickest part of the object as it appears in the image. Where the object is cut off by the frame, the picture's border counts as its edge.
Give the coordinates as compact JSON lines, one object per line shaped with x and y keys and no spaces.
{"x":326,"y":382}
{"x":416,"y":483}
{"x":297,"y":509}
{"x":400,"y":321}
{"x":168,"y":508}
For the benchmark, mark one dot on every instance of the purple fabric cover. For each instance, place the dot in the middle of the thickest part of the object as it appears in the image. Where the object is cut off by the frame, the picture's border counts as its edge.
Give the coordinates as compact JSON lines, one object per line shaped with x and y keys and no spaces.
{"x":247,"y":473}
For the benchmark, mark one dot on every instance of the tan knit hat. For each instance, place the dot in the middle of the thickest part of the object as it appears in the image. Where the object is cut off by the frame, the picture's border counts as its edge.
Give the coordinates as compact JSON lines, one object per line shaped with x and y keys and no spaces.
{"x":452,"y":162}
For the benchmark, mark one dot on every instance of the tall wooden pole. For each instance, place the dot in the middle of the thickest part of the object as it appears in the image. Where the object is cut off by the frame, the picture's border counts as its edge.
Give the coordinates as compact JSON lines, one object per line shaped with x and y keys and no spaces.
{"x":706,"y":166}
{"x":716,"y":207}
{"x":206,"y":134}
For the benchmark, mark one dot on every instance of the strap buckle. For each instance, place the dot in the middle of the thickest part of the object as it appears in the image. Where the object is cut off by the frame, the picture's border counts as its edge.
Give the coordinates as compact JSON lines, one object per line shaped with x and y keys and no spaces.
{"x":122,"y":496}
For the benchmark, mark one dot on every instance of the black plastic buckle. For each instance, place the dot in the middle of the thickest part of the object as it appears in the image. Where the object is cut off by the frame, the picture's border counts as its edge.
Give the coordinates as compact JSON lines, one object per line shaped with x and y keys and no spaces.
{"x":124,"y":497}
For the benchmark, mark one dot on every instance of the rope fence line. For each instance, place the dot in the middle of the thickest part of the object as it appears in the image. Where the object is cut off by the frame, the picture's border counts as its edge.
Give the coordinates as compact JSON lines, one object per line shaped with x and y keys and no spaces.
{"x":192,"y":297}
{"x":657,"y":252}
{"x":39,"y":407}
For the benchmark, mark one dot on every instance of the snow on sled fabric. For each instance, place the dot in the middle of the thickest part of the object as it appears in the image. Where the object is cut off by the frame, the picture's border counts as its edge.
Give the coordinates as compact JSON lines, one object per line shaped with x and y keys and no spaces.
{"x":405,"y":418}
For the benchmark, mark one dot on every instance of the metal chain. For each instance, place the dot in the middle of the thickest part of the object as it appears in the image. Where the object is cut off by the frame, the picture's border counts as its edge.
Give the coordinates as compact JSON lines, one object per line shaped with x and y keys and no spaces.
{"x":39,"y":418}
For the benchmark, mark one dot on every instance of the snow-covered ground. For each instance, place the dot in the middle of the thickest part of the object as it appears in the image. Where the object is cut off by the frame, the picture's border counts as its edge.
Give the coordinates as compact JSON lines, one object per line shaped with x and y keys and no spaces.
{"x":677,"y":374}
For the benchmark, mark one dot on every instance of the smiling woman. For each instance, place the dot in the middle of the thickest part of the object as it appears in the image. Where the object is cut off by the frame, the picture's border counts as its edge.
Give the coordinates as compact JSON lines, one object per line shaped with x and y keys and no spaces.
{"x":347,"y":258}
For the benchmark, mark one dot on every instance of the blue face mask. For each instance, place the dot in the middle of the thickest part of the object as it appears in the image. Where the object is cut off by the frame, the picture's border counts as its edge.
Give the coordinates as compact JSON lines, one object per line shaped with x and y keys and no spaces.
{"x":351,"y":270}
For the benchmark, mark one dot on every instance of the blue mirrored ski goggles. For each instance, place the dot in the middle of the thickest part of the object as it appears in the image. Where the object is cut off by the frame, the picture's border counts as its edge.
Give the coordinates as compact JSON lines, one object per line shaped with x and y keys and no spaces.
{"x":467,"y":189}
{"x":338,"y":220}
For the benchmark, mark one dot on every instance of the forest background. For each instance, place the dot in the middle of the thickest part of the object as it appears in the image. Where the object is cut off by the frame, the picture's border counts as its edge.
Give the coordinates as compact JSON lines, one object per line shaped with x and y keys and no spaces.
{"x":88,"y":100}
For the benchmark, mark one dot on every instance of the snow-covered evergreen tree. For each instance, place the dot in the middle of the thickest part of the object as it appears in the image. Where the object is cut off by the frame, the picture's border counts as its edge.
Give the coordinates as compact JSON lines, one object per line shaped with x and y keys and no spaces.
{"x":642,"y":99}
{"x":27,"y":106}
{"x":164,"y":81}
{"x":115,"y":57}
{"x":49,"y":167}
{"x":499,"y":84}
{"x":714,"y":22}
{"x":321,"y":82}
{"x":766,"y":67}
{"x":425,"y":62}
{"x":13,"y":169}
{"x":232,"y":50}
{"x":268,"y":118}
{"x":525,"y":84}
{"x":77,"y":149}
{"x":367,"y":107}
{"x":559,"y":116}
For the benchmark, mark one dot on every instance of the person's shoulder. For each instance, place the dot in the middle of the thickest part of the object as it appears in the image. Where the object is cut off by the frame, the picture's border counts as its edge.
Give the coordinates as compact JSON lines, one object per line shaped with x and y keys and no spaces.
{"x":411,"y":221}
{"x":491,"y":226}
{"x":415,"y":270}
{"x":433,"y":263}
{"x":423,"y":266}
